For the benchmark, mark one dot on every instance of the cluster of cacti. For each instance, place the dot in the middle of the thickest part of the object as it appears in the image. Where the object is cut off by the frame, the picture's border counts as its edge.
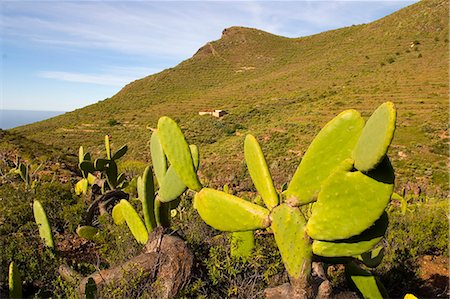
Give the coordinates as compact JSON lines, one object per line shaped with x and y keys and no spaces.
{"x":175,"y":165}
{"x":106,"y":166}
{"x":344,"y":182}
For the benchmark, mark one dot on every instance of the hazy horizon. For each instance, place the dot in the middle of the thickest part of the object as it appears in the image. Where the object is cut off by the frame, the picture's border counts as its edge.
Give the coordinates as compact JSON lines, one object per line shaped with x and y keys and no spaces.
{"x":11,"y":118}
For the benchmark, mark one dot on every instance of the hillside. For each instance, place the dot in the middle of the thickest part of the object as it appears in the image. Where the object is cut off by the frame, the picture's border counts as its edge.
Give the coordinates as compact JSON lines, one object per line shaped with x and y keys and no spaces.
{"x":283,"y":90}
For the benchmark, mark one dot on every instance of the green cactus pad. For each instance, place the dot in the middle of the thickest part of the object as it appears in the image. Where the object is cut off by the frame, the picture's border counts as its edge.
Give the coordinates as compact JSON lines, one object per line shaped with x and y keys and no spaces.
{"x":87,"y":232}
{"x":120,"y":152}
{"x":172,"y":186}
{"x":107,"y":147}
{"x":350,"y":202}
{"x":146,"y":193}
{"x":100,"y":164}
{"x":81,"y":186}
{"x":14,"y":282}
{"x":365,"y":282}
{"x":87,"y":166}
{"x":45,"y":230}
{"x":162,"y":213}
{"x":373,"y":258}
{"x":333,"y":144}
{"x":242,"y":244}
{"x":117,"y":214}
{"x":226,"y":212}
{"x":111,"y":174}
{"x":134,"y":222}
{"x":288,"y":225}
{"x":177,"y":152}
{"x":121,"y":178}
{"x":375,"y":138}
{"x":355,"y":245}
{"x":158,"y":157}
{"x":259,"y":172}
{"x":80,"y":154}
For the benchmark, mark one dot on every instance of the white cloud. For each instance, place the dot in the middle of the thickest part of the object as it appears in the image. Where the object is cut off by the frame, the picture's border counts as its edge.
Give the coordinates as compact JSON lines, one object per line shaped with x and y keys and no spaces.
{"x":117,"y":76}
{"x":167,"y":28}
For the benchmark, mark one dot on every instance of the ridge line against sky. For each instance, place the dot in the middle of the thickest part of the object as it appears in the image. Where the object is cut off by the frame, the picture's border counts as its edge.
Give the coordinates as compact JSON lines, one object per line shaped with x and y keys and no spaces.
{"x":66,"y":55}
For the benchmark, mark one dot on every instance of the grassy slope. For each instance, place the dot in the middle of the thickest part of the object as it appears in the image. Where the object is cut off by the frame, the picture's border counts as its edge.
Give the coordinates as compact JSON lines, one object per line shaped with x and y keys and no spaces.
{"x":283,"y":90}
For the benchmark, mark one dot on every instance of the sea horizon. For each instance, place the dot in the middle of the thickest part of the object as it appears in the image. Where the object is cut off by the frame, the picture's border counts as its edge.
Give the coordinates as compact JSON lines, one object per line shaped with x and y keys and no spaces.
{"x":11,"y":118}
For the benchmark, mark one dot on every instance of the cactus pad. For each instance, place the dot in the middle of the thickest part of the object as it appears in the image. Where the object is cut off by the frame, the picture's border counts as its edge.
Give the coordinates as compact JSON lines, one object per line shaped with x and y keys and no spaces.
{"x":259,"y":172}
{"x":120,"y":152}
{"x":242,"y":244}
{"x":226,"y":212}
{"x":117,"y":214}
{"x":375,"y":137}
{"x":111,"y":174}
{"x":177,"y":152}
{"x":45,"y":230}
{"x":350,"y":202}
{"x":100,"y":164}
{"x":355,"y":245}
{"x":332,"y":145}
{"x":159,"y":161}
{"x":107,"y":147}
{"x":172,"y":186}
{"x":288,"y":225}
{"x":14,"y":281}
{"x":372,"y":258}
{"x":87,"y":232}
{"x":134,"y":222}
{"x":365,"y":282}
{"x":146,"y":193}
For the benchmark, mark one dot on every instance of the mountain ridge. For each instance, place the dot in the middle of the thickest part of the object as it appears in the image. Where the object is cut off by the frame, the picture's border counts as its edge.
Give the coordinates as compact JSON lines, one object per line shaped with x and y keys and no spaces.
{"x":282,"y":90}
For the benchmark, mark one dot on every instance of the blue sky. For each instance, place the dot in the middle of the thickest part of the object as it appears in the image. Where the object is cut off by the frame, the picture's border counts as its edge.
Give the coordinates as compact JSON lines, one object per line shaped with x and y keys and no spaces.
{"x":62,"y":55}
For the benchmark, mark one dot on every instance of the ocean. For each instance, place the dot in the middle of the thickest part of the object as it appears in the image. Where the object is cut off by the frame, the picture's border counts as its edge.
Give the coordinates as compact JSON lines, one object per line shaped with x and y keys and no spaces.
{"x":14,"y":118}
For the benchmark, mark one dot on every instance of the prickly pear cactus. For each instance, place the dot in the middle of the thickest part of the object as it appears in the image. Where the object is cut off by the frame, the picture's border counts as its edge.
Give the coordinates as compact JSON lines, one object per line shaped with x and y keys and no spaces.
{"x":347,"y":179}
{"x":177,"y":152}
{"x":131,"y":217}
{"x":333,"y":145}
{"x":259,"y":172}
{"x":226,"y":212}
{"x":355,"y":245}
{"x":146,"y":193}
{"x":364,"y":281}
{"x":15,"y":282}
{"x":45,"y":230}
{"x":288,"y":225}
{"x":375,"y":138}
{"x":352,"y":199}
{"x":158,"y":157}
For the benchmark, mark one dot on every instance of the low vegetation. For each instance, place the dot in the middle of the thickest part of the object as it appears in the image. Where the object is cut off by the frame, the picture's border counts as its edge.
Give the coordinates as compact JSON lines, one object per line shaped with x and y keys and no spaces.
{"x":219,"y":270}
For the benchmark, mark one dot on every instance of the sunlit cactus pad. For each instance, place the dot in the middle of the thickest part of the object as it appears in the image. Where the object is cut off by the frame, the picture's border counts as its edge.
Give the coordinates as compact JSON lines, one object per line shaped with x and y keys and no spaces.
{"x":288,"y":225}
{"x":349,"y":203}
{"x":355,"y":245}
{"x":333,"y":144}
{"x":259,"y":172}
{"x":226,"y":212}
{"x":178,"y":153}
{"x":375,"y":137}
{"x":171,"y":185}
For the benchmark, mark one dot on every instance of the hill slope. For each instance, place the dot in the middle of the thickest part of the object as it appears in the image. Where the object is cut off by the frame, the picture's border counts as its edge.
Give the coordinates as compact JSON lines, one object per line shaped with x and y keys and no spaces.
{"x":283,"y":90}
